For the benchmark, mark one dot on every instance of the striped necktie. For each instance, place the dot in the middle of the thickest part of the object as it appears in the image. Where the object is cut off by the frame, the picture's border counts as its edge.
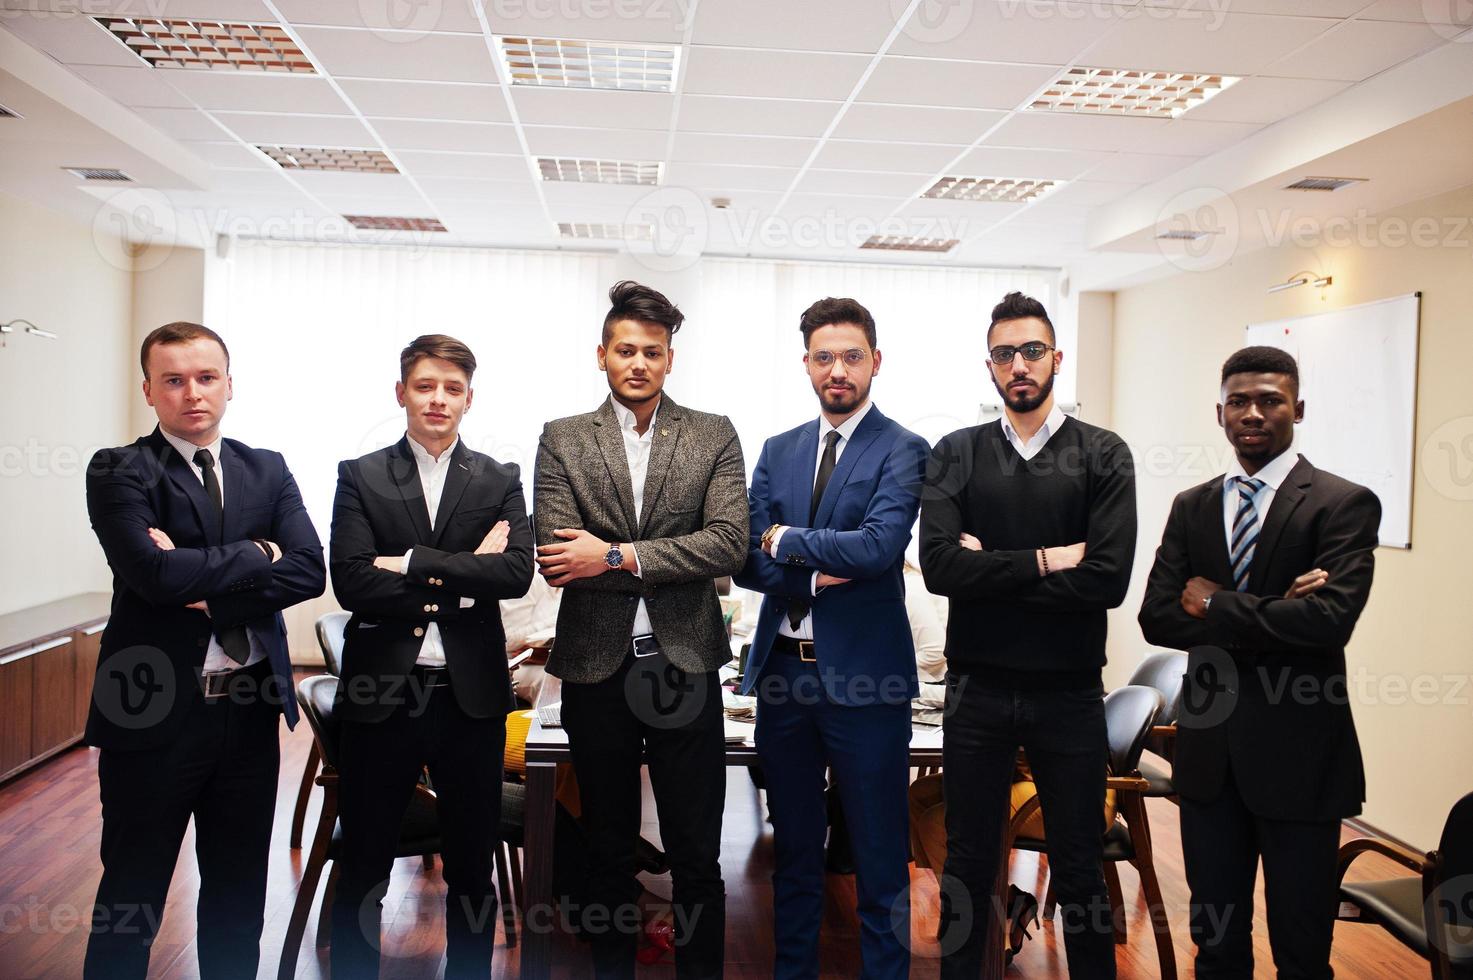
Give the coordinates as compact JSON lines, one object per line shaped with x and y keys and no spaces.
{"x":1245,"y":531}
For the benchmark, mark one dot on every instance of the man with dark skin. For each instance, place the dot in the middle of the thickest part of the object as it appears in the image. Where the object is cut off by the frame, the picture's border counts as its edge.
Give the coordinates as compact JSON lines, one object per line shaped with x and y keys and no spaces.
{"x":1261,"y":575}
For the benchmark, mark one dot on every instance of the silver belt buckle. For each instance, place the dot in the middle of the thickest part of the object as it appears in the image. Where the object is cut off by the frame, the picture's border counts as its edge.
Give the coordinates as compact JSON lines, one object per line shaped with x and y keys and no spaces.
{"x":645,"y":645}
{"x":216,"y":685}
{"x":805,"y":652}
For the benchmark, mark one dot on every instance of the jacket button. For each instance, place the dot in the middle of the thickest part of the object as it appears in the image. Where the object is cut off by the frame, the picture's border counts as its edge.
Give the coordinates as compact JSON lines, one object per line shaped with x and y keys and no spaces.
{"x":419,"y":631}
{"x":435,"y":608}
{"x":428,"y":608}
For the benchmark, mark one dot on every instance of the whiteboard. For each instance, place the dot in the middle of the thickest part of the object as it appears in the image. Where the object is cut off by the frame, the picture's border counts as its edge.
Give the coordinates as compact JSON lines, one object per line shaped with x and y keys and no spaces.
{"x":1358,"y":379}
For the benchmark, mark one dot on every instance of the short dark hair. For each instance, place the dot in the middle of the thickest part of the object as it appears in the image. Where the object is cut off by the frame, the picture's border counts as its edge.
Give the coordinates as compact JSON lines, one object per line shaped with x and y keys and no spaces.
{"x":1016,"y":306}
{"x":831,"y":310}
{"x":630,"y":300}
{"x":1262,"y":360}
{"x":179,"y":332}
{"x":436,"y":345}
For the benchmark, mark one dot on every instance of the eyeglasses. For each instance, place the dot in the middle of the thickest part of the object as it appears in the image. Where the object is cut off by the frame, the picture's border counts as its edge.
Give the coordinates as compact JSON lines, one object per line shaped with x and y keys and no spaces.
{"x":853,"y":357}
{"x":1031,"y":351}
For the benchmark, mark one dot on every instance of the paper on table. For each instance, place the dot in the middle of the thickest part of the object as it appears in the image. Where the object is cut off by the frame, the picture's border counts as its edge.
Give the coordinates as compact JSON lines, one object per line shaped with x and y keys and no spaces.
{"x":739,"y":732}
{"x":925,"y":736}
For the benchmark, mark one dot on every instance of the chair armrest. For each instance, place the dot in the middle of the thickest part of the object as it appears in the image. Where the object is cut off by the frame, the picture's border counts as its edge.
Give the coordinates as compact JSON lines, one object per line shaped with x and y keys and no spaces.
{"x":1133,"y":783}
{"x":1406,"y":857}
{"x":1162,"y":731}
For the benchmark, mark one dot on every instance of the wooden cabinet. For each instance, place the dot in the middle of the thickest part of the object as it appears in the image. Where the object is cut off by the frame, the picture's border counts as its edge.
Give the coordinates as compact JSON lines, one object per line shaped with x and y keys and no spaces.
{"x":54,"y":677}
{"x":15,"y":713}
{"x":88,"y":643}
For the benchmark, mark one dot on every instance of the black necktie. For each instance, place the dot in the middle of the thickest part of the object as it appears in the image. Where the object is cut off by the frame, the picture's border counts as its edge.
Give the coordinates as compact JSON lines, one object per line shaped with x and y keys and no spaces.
{"x":233,"y":639}
{"x":798,"y":608}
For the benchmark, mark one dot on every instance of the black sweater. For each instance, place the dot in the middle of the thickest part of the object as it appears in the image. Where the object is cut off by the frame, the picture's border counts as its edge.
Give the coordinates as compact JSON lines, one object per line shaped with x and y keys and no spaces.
{"x":1007,"y":622}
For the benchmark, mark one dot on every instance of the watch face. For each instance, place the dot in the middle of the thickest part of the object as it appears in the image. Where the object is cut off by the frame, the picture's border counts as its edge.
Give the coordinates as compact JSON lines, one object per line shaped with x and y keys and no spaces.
{"x":615,"y":557}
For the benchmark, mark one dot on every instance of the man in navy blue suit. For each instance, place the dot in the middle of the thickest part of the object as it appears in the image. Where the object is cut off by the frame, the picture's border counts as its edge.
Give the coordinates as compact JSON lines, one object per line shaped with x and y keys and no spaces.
{"x":832,"y":660}
{"x":208,"y":541}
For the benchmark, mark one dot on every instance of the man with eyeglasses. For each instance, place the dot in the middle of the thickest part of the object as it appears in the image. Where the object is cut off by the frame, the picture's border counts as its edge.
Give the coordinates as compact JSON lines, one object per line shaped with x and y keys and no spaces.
{"x":1028,"y":525}
{"x":832,"y":660}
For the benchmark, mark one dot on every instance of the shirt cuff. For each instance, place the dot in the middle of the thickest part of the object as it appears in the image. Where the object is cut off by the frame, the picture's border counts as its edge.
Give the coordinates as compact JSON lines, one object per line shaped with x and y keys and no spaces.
{"x":404,"y":562}
{"x":466,"y":603}
{"x":638,"y":568}
{"x":814,"y":584}
{"x":777,"y":540}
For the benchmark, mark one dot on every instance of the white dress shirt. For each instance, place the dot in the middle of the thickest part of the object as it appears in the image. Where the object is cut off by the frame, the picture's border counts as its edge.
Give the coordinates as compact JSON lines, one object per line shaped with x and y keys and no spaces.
{"x":846,"y":432}
{"x":432,"y":473}
{"x":1045,"y":432}
{"x":216,"y":659}
{"x":1273,"y":476}
{"x":637,"y":452}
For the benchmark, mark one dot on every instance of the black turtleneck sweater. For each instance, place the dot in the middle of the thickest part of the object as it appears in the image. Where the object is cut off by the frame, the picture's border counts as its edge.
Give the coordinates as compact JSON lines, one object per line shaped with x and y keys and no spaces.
{"x":1008,"y":624}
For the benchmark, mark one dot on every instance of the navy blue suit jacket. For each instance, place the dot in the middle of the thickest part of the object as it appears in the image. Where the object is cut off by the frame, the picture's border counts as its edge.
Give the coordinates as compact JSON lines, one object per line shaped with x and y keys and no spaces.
{"x":153,"y":649}
{"x":861,"y":633}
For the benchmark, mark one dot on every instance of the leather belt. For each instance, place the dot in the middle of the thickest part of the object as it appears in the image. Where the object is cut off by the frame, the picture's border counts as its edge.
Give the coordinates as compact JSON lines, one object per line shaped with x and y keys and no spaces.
{"x":802,"y":649}
{"x":217,"y":685}
{"x":432,"y":677}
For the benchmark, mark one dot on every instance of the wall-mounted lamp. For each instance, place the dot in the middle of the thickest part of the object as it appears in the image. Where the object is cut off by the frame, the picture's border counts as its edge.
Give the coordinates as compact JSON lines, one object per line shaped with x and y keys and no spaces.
{"x":1302,"y":279}
{"x":28,"y":327}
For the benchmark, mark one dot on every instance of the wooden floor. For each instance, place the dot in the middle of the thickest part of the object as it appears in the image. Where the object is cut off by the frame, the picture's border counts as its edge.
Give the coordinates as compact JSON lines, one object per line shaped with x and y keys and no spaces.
{"x":50,"y":826}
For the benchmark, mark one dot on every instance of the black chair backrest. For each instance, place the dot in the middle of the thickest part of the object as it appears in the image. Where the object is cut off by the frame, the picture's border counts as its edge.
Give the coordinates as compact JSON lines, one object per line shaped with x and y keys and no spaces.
{"x":330,"y":630}
{"x":1164,"y":671}
{"x":1130,"y":711}
{"x":1456,"y":890}
{"x":316,"y":694}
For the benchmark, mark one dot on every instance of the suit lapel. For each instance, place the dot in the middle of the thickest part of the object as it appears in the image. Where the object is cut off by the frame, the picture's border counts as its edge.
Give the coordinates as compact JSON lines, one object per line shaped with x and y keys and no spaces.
{"x":610,"y":441}
{"x":1288,"y":497}
{"x":864,"y":436}
{"x":805,"y":469}
{"x":234,"y":489}
{"x":1210,"y":526}
{"x":183,"y":477}
{"x":666,"y":424}
{"x":404,"y":471}
{"x":457,"y":477}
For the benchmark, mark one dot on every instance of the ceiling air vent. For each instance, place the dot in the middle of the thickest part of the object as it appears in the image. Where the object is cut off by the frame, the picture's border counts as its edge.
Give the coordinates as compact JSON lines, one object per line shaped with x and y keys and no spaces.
{"x":909,"y":243}
{"x":6,"y":113}
{"x":1182,"y":235}
{"x":374,"y":222}
{"x":1324,"y":183}
{"x":97,"y":173}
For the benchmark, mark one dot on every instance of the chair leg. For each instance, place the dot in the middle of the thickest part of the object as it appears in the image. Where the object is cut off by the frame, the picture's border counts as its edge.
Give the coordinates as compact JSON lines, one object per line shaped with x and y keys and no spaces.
{"x":324,"y":913}
{"x":1133,"y":806}
{"x":1117,"y":902}
{"x":516,"y":873}
{"x":503,"y":885}
{"x":304,"y":790}
{"x":297,"y":926}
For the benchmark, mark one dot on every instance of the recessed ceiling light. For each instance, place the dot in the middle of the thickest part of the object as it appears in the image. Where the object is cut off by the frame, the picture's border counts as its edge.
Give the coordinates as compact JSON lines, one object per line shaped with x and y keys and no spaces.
{"x":97,"y":173}
{"x":1324,"y":183}
{"x":1002,"y":189}
{"x":607,"y":232}
{"x":1128,"y":92}
{"x":600,"y":171}
{"x":373,"y":222}
{"x":208,"y":45}
{"x":562,"y":63}
{"x":909,"y":243}
{"x":329,"y":158}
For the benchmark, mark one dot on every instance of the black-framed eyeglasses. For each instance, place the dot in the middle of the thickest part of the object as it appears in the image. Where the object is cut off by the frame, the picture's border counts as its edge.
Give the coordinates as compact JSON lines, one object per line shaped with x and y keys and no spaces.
{"x":1031,"y":351}
{"x":853,"y":357}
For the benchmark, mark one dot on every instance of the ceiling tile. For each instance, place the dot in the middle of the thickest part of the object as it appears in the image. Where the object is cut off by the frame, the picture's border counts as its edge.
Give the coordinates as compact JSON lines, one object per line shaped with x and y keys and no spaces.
{"x":730,"y":178}
{"x":755,"y":117}
{"x":427,"y":100}
{"x":1416,"y":13}
{"x":1036,"y":31}
{"x":71,"y":39}
{"x":916,"y":123}
{"x":771,"y":74}
{"x":247,"y":182}
{"x":1199,"y":40}
{"x":1011,"y":161}
{"x":377,"y":204}
{"x":917,"y":81}
{"x":390,"y":18}
{"x":1359,"y":49}
{"x":596,"y":144}
{"x":762,"y":151}
{"x":257,"y":92}
{"x":1190,"y":137}
{"x":911,"y":158}
{"x":1263,"y":99}
{"x":471,"y":137}
{"x":814,"y":25}
{"x":1070,"y":131}
{"x":222,"y":154}
{"x":182,"y":124}
{"x":465,"y":189}
{"x":482,"y":166}
{"x":861,"y":184}
{"x":432,"y":58}
{"x":588,"y":107}
{"x":652,"y":21}
{"x":298,"y":130}
{"x":134,"y":86}
{"x":340,"y":184}
{"x":1140,"y":168}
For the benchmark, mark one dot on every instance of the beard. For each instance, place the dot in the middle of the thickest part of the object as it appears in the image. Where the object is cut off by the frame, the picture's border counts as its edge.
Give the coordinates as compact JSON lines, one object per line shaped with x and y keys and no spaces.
{"x":841,"y":402}
{"x":1021,"y":401}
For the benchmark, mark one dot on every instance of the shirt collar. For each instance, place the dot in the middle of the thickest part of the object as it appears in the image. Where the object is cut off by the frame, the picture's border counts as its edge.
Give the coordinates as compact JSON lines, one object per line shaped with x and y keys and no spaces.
{"x":187,"y":449}
{"x":1050,"y":425}
{"x":846,"y":429}
{"x":1274,"y":474}
{"x":627,"y":419}
{"x":422,"y":455}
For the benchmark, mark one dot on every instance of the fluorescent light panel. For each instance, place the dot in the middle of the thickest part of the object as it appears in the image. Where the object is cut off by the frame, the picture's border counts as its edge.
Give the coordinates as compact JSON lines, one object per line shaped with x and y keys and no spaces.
{"x":600,"y":171}
{"x":606,"y":232}
{"x":1000,"y":189}
{"x":208,"y":45}
{"x":564,"y":63}
{"x":373,"y":222}
{"x":1128,"y":92}
{"x":909,"y":243}
{"x":329,"y":158}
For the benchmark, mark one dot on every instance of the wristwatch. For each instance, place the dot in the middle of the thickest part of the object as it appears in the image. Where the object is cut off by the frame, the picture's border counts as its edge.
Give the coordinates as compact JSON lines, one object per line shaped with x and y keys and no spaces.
{"x":1206,"y":603}
{"x":767,"y":535}
{"x":614,"y":557}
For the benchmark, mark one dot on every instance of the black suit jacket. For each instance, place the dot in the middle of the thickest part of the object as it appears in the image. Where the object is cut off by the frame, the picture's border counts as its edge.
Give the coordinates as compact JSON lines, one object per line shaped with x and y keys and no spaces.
{"x":153,"y":649}
{"x":1266,"y":689}
{"x":381,"y":510}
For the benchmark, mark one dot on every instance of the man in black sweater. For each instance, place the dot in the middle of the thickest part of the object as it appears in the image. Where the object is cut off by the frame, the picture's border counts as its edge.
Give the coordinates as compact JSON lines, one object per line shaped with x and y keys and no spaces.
{"x":1028,"y":525}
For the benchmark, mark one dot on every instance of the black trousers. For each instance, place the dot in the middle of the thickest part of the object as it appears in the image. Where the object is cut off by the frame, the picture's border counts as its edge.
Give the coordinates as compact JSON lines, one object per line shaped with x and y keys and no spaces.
{"x":380,"y":764}
{"x":1063,"y":733}
{"x":222,"y":771}
{"x":1222,"y":842}
{"x":649,"y":709}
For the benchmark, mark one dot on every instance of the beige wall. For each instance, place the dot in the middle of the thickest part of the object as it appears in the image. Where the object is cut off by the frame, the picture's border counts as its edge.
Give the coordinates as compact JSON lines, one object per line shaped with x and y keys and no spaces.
{"x":1412,"y":654}
{"x":59,"y":399}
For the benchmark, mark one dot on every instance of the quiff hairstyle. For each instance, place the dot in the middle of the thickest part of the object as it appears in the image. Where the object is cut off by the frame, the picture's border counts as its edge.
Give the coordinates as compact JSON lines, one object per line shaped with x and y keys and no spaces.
{"x":436,"y":345}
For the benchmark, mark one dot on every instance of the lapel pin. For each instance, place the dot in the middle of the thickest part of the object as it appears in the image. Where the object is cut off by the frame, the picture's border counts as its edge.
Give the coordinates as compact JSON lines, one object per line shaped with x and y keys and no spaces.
{"x":664,"y":432}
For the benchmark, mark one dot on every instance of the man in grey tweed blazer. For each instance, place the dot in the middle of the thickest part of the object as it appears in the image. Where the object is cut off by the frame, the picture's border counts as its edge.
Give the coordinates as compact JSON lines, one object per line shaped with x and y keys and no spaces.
{"x":638,"y":507}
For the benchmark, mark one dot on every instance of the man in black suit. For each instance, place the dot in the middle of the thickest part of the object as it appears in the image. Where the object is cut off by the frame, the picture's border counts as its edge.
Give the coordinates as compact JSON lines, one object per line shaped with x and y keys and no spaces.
{"x":208,"y":541}
{"x":427,"y":535}
{"x":1261,"y":575}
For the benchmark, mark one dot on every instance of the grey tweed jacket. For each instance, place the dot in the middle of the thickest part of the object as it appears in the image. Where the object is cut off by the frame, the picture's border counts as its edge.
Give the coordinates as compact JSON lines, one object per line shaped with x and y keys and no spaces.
{"x":692,"y":530}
